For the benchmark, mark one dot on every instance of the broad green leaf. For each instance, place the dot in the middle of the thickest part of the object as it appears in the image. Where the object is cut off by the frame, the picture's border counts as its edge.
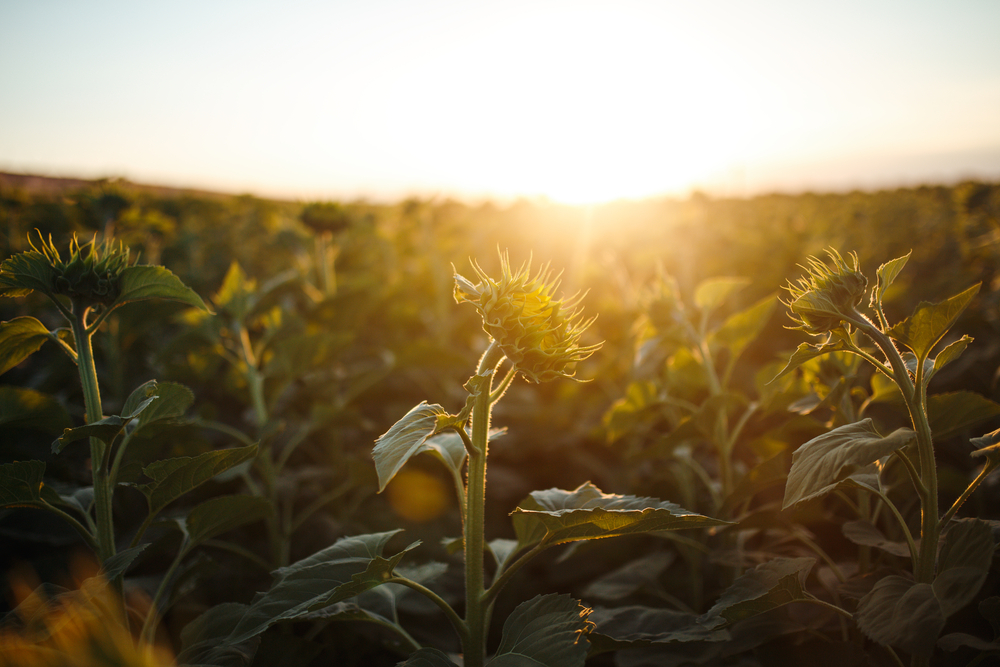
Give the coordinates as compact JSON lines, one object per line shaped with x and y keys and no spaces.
{"x":867,"y":534}
{"x":405,"y":439}
{"x":827,"y":459}
{"x":886,"y":275}
{"x":712,"y":293}
{"x":139,"y":395}
{"x":768,"y":586}
{"x":900,"y":612}
{"x":119,"y":564}
{"x":633,"y":626}
{"x":964,"y":561}
{"x":26,"y":408}
{"x":428,"y":657}
{"x":625,"y":413}
{"x":172,"y":478}
{"x":547,"y":630}
{"x":743,"y":328}
{"x":172,"y":402}
{"x":640,"y":574}
{"x":139,"y":283}
{"x":804,"y":352}
{"x":928,"y":324}
{"x":19,"y":339}
{"x":350,"y":566}
{"x":223,"y":513}
{"x":21,"y":483}
{"x":25,"y":272}
{"x":586,"y":513}
{"x":951,"y":413}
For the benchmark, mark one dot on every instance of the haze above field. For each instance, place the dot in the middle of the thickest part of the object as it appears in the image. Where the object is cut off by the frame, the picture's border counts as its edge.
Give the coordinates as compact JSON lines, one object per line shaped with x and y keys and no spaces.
{"x":576,"y":101}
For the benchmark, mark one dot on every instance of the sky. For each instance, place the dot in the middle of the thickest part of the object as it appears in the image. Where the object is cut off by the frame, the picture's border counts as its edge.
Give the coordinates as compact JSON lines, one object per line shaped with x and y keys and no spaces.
{"x":576,"y":101}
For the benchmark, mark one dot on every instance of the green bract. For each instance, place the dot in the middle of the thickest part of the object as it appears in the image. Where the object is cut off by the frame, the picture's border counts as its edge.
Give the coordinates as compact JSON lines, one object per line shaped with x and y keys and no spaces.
{"x":822,"y":300}
{"x":538,"y":333}
{"x":92,"y":273}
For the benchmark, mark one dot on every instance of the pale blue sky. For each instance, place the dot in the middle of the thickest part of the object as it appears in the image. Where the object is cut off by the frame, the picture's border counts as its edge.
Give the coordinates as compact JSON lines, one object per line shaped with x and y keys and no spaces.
{"x":575,"y":100}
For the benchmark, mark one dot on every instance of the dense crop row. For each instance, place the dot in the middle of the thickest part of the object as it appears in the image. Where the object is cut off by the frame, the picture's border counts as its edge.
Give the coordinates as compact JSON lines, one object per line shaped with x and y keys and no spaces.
{"x":215,"y":458}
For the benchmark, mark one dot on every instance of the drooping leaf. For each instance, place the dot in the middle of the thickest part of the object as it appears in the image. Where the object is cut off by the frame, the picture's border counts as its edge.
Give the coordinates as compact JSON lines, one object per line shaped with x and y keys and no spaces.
{"x":119,"y":564}
{"x":835,"y":455}
{"x":586,"y":513}
{"x":867,"y":534}
{"x":223,"y":513}
{"x":21,"y":407}
{"x":952,"y":412}
{"x":21,"y":483}
{"x":928,"y":324}
{"x":633,"y":626}
{"x":172,"y":478}
{"x":139,"y":283}
{"x":899,"y":612}
{"x":547,"y":631}
{"x":106,"y":429}
{"x":405,"y":439}
{"x":804,"y":352}
{"x":768,"y":586}
{"x":19,"y":339}
{"x":712,"y":293}
{"x":428,"y":657}
{"x":886,"y":275}
{"x":963,"y":563}
{"x":742,"y":328}
{"x":350,"y":566}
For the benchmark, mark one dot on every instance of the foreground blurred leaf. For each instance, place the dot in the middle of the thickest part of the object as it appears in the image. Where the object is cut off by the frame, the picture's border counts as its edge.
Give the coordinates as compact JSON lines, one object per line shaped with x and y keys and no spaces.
{"x":586,"y":513}
{"x":827,"y":459}
{"x":405,"y":439}
{"x":767,"y":586}
{"x":172,"y":478}
{"x":21,"y":483}
{"x":547,"y":630}
{"x":139,"y":283}
{"x":928,"y":324}
{"x":19,"y":339}
{"x":26,"y":408}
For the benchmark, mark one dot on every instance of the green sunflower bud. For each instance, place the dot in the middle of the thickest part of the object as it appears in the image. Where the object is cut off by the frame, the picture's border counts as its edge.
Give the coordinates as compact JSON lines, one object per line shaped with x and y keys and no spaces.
{"x":92,"y":273}
{"x":827,"y":297}
{"x":538,"y":333}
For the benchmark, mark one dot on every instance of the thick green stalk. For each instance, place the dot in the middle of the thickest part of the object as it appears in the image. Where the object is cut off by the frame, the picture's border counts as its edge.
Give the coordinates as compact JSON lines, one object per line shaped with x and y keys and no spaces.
{"x":476,"y":608}
{"x":98,"y":450}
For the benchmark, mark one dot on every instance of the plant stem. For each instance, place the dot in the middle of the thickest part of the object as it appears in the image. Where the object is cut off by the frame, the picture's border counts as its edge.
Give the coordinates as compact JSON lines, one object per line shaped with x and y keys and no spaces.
{"x":456,"y":622}
{"x":476,"y":611}
{"x":98,"y":450}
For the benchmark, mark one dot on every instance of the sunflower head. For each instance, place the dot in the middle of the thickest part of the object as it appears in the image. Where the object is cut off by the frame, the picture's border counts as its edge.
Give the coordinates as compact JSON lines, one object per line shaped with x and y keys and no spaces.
{"x":826,"y":296}
{"x":538,"y":333}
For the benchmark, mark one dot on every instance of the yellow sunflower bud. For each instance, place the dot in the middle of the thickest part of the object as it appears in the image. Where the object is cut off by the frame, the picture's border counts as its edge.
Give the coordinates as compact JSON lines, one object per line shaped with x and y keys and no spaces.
{"x":822,"y":300}
{"x":538,"y":333}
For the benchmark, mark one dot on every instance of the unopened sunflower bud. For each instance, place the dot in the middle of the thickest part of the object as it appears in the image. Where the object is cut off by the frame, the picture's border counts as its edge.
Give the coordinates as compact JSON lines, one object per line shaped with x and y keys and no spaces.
{"x":827,"y":297}
{"x":538,"y":333}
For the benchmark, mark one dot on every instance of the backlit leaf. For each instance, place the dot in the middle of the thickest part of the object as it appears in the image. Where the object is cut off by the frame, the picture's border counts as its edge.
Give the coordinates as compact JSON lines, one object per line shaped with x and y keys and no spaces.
{"x":836,"y":455}
{"x":547,"y":630}
{"x":712,"y":293}
{"x":139,"y":283}
{"x":26,"y":408}
{"x":21,"y":483}
{"x":19,"y":339}
{"x":886,"y":275}
{"x":928,"y":324}
{"x":586,"y":513}
{"x":951,"y":352}
{"x":25,"y":272}
{"x":804,"y":352}
{"x":768,"y":586}
{"x":741,"y":329}
{"x":405,"y":439}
